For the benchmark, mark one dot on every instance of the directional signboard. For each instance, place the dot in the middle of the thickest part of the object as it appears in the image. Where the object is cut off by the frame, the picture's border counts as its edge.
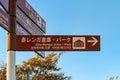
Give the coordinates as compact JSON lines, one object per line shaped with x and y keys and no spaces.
{"x":29,"y":11}
{"x":27,"y":23}
{"x":58,"y":43}
{"x":4,"y":20}
{"x":24,"y":25}
{"x":21,"y":31}
{"x":5,"y":4}
{"x":41,"y":53}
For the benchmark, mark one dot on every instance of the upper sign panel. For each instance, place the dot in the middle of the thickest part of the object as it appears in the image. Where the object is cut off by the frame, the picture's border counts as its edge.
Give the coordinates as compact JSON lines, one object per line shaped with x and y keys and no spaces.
{"x":29,"y":11}
{"x":4,"y":3}
{"x":4,"y":20}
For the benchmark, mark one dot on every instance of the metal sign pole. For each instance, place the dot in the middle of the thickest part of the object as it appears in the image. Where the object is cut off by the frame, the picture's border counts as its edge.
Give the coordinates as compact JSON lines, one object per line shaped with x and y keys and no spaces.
{"x":11,"y":56}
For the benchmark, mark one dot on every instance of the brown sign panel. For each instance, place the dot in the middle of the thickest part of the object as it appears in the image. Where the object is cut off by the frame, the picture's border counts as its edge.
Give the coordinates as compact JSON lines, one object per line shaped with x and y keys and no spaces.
{"x":20,"y":30}
{"x":32,"y":14}
{"x":29,"y":12}
{"x":58,"y":43}
{"x":4,"y":20}
{"x":23,"y":25}
{"x":27,"y":23}
{"x":21,"y":18}
{"x":4,"y":3}
{"x":41,"y":53}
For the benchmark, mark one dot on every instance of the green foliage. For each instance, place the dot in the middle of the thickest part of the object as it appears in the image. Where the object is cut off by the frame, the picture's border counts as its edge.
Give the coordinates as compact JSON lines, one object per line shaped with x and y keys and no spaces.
{"x":37,"y":68}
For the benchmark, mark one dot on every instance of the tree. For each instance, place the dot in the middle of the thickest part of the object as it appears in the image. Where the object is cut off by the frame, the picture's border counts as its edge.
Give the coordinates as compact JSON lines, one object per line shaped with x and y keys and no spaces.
{"x":2,"y":71}
{"x":44,"y":69}
{"x":114,"y":78}
{"x":111,"y":78}
{"x":38,"y":68}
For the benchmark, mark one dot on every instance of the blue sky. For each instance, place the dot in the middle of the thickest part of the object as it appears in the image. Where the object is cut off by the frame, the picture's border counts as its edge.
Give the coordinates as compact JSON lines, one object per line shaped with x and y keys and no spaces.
{"x":80,"y":17}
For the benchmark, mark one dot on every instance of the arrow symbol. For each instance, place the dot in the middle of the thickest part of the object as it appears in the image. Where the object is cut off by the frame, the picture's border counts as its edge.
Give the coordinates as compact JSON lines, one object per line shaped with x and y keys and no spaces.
{"x":94,"y":41}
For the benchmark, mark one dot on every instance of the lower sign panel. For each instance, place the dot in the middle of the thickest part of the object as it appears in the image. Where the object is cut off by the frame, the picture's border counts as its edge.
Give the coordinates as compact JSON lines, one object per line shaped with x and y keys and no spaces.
{"x":20,"y":30}
{"x":27,"y":23}
{"x":58,"y":43}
